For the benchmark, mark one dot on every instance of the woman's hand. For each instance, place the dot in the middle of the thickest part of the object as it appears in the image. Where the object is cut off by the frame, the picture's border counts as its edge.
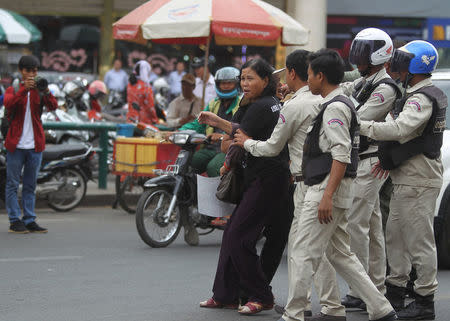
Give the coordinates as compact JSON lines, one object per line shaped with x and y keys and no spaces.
{"x":209,"y":118}
{"x":215,"y":137}
{"x":378,"y":171}
{"x":326,"y":209}
{"x":239,"y":138}
{"x":223,"y":170}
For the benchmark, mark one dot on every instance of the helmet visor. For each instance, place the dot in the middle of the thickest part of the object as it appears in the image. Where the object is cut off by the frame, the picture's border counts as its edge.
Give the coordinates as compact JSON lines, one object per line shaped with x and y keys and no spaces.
{"x":400,"y":60}
{"x":360,"y":52}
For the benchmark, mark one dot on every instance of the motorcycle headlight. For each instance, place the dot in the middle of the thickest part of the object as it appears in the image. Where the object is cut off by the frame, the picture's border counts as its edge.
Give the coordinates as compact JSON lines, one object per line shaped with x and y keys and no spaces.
{"x":179,"y":138}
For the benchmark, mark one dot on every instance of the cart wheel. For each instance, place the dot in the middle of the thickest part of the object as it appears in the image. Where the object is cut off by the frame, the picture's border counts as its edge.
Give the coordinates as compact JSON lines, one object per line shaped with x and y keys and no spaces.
{"x":130,"y":191}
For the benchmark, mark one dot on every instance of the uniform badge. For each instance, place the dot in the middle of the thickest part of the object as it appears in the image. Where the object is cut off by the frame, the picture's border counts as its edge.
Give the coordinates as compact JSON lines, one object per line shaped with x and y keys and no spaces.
{"x":335,"y":121}
{"x":380,"y":96}
{"x":415,"y":104}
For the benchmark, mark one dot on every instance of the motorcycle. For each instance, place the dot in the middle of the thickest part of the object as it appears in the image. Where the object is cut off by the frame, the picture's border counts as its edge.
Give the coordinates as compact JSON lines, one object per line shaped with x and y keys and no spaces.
{"x":62,"y":178}
{"x":170,"y":199}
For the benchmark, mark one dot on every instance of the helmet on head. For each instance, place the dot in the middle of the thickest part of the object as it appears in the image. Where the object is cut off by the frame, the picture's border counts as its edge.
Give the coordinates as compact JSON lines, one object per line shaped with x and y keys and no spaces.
{"x":227,"y":74}
{"x":416,"y":57}
{"x":371,"y":46}
{"x":97,"y":89}
{"x":198,"y":62}
{"x":161,"y":86}
{"x":73,"y":90}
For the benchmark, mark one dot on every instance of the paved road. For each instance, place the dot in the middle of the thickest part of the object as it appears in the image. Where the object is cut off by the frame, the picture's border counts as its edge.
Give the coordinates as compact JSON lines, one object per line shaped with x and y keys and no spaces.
{"x":92,"y":266}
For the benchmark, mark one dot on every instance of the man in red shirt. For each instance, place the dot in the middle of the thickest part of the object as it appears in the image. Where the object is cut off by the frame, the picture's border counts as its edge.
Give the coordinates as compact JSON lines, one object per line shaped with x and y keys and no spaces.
{"x":25,"y":142}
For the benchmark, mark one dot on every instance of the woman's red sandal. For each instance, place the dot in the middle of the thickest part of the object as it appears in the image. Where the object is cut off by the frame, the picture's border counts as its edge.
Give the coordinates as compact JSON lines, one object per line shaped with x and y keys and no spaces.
{"x":251,"y":308}
{"x":213,"y":304}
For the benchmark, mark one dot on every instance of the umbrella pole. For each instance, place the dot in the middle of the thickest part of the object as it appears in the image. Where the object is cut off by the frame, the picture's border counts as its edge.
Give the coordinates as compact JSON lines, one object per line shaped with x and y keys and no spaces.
{"x":204,"y":70}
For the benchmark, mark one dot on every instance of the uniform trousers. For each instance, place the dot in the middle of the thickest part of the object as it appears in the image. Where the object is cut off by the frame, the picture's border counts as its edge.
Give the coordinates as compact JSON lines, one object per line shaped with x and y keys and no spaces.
{"x":329,"y":297}
{"x":239,"y":265}
{"x":410,"y":237}
{"x":365,"y":224}
{"x":333,"y":241}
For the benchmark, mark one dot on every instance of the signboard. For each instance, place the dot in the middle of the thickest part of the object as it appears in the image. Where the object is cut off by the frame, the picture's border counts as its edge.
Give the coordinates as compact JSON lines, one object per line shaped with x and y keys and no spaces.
{"x":439,"y":32}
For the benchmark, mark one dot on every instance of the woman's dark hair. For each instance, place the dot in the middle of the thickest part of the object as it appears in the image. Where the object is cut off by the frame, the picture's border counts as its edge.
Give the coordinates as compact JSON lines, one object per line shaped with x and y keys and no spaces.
{"x":28,"y":62}
{"x":328,"y":62}
{"x":263,"y":70}
{"x":298,"y":60}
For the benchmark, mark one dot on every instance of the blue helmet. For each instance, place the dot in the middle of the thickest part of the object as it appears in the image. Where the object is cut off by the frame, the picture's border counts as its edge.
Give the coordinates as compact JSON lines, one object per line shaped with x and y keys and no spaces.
{"x":416,"y":57}
{"x":228,"y":74}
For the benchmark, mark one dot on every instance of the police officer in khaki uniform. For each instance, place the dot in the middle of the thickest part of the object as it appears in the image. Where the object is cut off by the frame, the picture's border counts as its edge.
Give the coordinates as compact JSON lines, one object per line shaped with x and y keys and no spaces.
{"x":329,"y":167}
{"x":295,"y":118}
{"x":413,"y":135}
{"x":373,"y":96}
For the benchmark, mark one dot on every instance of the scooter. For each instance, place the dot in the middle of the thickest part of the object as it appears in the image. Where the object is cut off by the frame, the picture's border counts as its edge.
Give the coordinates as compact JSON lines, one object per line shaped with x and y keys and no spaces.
{"x":62,"y":178}
{"x":170,"y":198}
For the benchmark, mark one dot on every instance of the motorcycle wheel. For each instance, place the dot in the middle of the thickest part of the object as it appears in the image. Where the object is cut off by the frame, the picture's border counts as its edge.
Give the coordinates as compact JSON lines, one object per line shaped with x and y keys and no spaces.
{"x":150,"y":224}
{"x":129,"y":193}
{"x":71,"y":193}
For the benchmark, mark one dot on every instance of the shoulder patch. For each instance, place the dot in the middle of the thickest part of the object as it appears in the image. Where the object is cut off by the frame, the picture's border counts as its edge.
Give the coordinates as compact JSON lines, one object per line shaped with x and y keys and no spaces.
{"x":379,"y":96}
{"x":275,"y":108}
{"x":282,"y":118}
{"x":335,"y":121}
{"x":415,"y":104}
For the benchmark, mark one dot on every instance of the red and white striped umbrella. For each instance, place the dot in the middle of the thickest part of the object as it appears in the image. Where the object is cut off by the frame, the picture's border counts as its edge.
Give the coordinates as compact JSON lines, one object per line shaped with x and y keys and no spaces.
{"x":232,"y":22}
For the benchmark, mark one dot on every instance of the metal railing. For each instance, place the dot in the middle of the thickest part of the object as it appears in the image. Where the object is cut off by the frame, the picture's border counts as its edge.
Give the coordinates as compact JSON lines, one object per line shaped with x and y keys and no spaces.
{"x":103,"y":128}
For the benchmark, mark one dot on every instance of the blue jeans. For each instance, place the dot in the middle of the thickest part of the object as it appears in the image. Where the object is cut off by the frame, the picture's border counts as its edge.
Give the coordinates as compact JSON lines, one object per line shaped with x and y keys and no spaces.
{"x":28,"y":161}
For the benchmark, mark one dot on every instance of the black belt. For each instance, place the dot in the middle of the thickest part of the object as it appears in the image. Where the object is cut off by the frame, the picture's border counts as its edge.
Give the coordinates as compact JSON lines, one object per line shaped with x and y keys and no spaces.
{"x":368,"y":155}
{"x":299,"y":178}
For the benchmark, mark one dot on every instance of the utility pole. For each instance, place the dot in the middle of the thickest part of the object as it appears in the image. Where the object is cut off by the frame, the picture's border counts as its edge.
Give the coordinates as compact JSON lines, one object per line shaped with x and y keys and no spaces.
{"x":106,"y":37}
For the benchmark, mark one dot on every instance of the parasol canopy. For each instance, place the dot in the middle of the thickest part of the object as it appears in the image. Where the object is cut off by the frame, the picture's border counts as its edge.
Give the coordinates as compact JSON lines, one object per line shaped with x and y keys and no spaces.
{"x":16,"y":29}
{"x":232,"y":22}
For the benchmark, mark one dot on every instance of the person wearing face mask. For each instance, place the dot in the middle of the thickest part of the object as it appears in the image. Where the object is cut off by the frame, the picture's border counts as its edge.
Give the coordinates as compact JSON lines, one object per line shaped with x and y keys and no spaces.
{"x":411,"y":138}
{"x":141,"y":107}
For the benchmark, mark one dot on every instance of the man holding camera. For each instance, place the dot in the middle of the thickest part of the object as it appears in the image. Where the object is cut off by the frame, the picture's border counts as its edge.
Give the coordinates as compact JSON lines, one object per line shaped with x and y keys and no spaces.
{"x":25,"y":142}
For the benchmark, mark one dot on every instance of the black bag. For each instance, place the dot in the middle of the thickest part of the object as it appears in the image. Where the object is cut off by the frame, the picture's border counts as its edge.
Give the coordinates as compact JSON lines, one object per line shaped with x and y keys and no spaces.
{"x":230,"y":188}
{"x":5,"y":124}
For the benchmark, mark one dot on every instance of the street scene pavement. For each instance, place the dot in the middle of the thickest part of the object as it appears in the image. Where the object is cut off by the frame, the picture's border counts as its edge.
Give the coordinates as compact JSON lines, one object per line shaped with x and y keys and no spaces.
{"x":92,"y":266}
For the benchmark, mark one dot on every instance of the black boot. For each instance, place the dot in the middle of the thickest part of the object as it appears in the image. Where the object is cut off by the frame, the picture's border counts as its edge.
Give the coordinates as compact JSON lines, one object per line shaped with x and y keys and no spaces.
{"x":351,"y":302}
{"x":420,"y":309}
{"x":396,"y":296}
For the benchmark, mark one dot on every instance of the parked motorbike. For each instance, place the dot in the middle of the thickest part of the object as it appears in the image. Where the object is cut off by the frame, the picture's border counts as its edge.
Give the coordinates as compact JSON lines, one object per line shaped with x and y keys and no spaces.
{"x":62,"y":178}
{"x":170,"y":198}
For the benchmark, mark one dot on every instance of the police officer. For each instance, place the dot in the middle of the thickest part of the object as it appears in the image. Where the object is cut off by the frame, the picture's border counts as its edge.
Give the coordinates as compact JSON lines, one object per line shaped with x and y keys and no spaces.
{"x":295,"y":118}
{"x":373,"y":96}
{"x":329,"y":167}
{"x":414,"y":131}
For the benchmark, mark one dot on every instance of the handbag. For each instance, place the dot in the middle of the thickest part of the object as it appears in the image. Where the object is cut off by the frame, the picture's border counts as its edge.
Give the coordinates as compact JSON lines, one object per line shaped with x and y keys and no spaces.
{"x":230,"y":187}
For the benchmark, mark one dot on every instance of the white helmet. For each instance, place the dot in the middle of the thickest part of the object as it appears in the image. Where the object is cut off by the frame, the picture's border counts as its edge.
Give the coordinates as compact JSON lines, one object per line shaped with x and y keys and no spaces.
{"x":371,"y":46}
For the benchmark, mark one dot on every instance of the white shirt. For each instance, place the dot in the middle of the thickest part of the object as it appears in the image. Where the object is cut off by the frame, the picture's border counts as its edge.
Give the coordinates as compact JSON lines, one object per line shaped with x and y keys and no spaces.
{"x":210,"y":92}
{"x":27,"y":139}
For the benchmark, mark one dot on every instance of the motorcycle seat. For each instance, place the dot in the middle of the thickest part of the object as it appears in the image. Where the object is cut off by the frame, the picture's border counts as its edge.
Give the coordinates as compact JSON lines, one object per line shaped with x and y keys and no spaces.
{"x":54,"y":152}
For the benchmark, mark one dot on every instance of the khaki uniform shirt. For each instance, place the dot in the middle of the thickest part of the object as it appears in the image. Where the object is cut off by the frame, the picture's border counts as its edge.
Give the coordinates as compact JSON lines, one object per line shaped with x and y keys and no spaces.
{"x":295,"y":118}
{"x":379,"y":103}
{"x":179,"y":108}
{"x":335,"y":139}
{"x":418,"y":170}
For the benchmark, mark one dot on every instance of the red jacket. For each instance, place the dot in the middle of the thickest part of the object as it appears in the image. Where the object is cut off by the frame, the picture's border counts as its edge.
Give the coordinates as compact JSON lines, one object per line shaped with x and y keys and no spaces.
{"x":142,"y":94}
{"x":18,"y":102}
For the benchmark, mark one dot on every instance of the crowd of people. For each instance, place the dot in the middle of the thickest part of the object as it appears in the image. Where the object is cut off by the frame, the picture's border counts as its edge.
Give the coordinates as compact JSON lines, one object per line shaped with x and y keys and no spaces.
{"x":312,"y":156}
{"x":328,"y":147}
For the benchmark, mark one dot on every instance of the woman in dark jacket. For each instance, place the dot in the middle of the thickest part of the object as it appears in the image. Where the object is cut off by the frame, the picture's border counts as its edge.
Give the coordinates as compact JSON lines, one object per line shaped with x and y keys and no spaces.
{"x":265,"y":193}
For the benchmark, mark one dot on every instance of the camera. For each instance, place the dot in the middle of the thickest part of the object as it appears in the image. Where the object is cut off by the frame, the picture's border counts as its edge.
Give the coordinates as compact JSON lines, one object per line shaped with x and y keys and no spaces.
{"x":41,"y":83}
